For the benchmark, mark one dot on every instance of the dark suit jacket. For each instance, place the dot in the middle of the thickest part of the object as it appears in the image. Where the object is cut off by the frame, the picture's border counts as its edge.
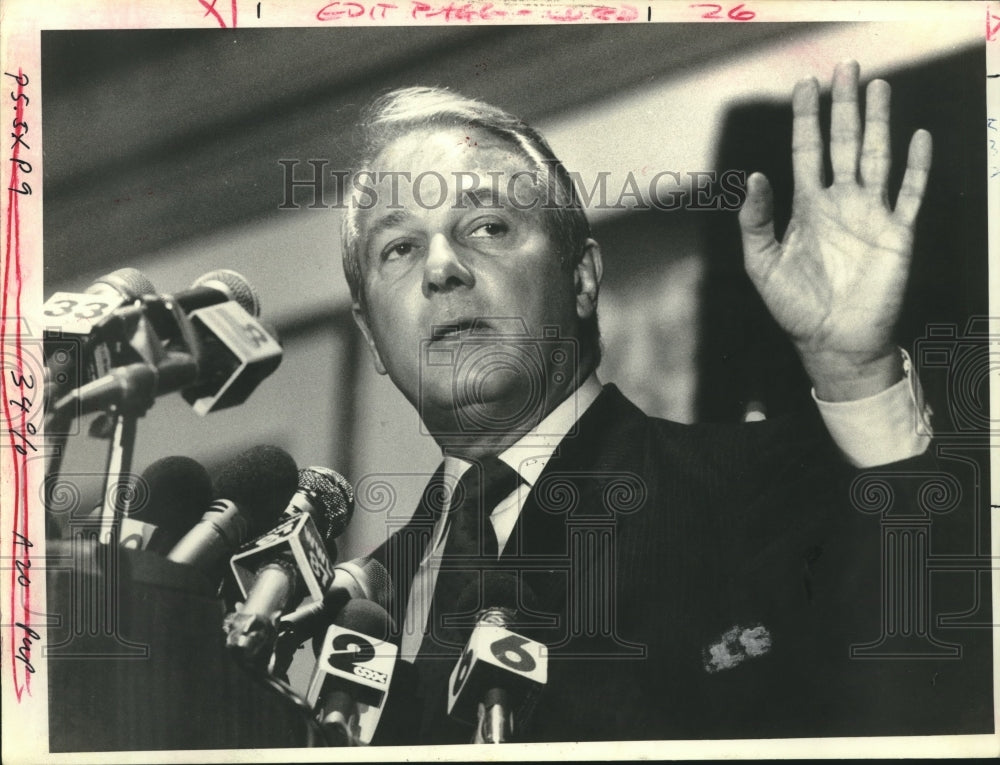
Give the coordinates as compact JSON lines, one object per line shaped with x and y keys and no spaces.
{"x":704,"y":582}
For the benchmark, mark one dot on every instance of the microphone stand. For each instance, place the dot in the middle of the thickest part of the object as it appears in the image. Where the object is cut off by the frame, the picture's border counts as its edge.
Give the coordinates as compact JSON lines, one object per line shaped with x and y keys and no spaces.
{"x":496,"y":722}
{"x":125,"y":396}
{"x":117,"y":497}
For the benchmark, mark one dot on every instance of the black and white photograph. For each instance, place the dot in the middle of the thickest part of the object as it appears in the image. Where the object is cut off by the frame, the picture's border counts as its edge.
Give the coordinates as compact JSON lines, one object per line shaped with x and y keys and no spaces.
{"x":420,"y":377}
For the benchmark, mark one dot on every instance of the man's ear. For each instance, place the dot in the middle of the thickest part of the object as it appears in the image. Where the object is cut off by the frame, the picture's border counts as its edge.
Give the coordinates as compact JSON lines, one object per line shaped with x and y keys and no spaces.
{"x":359,"y":318}
{"x":587,"y":277}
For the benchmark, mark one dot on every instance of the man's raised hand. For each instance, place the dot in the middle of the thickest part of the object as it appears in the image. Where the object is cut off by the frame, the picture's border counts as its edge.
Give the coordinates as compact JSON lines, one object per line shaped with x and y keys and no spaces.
{"x":835,"y":282}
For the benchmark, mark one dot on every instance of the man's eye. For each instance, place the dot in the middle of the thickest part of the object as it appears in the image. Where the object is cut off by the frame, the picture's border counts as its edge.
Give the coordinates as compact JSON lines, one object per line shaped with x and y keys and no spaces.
{"x":489,"y":230}
{"x":397,"y":250}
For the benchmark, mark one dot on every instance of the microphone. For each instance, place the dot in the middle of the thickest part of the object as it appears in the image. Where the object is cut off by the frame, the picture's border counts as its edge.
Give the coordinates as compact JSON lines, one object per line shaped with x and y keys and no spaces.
{"x":219,"y":286}
{"x":327,"y":497}
{"x":362,"y":579}
{"x":178,"y":491}
{"x":251,"y":491}
{"x":290,"y":563}
{"x":204,"y":341}
{"x":500,"y":674}
{"x":79,"y":312}
{"x":126,"y":283}
{"x":214,"y":288}
{"x":239,"y":352}
{"x":69,"y":322}
{"x":316,"y":514}
{"x":106,"y":311}
{"x":351,"y":681}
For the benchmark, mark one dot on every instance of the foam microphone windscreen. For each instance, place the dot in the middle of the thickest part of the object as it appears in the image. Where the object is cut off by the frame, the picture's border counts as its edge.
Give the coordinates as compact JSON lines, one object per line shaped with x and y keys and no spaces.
{"x":261,"y":481}
{"x":178,"y":492}
{"x":366,"y":617}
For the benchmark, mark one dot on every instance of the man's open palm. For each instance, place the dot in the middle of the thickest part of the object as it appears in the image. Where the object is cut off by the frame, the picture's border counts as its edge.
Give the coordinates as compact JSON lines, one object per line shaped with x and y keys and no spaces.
{"x":835,"y":283}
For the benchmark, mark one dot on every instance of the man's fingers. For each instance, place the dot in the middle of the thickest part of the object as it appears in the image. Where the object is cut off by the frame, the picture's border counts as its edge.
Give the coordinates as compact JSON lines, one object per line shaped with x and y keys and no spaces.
{"x":760,"y":249}
{"x":845,"y":123}
{"x":875,"y":159}
{"x":807,"y":145}
{"x":918,"y":165}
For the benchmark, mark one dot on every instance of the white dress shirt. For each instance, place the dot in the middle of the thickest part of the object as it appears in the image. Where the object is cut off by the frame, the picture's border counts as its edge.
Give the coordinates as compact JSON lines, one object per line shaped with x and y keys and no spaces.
{"x":887,"y":427}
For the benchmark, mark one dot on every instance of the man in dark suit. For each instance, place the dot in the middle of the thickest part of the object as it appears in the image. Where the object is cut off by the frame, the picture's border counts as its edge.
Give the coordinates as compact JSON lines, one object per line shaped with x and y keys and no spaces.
{"x":698,"y":581}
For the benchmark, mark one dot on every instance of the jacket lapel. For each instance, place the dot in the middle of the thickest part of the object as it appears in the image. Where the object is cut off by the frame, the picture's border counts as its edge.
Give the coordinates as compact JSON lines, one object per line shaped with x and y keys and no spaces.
{"x":402,"y":552}
{"x":572,"y":492}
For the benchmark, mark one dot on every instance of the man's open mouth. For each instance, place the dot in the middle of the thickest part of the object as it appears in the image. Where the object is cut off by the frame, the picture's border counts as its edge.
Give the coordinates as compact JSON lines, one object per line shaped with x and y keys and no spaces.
{"x":460,"y":328}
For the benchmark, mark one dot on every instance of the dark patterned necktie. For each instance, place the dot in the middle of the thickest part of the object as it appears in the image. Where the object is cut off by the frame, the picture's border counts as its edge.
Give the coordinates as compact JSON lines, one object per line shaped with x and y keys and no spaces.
{"x":471,"y":547}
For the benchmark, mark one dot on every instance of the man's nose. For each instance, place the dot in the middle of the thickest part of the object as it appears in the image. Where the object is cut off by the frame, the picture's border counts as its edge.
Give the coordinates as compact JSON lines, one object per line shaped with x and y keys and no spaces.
{"x":443,"y":271}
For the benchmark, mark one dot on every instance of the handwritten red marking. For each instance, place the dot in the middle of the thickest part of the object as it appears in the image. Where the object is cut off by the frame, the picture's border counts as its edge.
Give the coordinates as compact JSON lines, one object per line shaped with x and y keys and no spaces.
{"x":466,"y":12}
{"x":736,"y":13}
{"x":992,"y":28}
{"x":210,"y":10}
{"x":469,"y":12}
{"x":626,"y":13}
{"x":567,"y":14}
{"x":739,"y":15}
{"x":609,"y":13}
{"x":12,"y":258}
{"x":711,"y":14}
{"x":353,"y":10}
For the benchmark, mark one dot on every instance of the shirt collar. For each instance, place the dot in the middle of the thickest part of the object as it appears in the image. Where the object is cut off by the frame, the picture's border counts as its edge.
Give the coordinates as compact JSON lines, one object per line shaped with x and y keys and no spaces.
{"x":532,"y":452}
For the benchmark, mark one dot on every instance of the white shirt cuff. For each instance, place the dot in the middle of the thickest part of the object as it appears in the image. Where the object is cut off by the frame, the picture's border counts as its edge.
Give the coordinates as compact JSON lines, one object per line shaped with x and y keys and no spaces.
{"x":888,"y":427}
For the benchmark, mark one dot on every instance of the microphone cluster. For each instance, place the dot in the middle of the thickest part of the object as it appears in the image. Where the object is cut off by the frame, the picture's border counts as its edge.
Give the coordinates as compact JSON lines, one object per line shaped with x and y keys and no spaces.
{"x":262,"y":529}
{"x":121,"y":344}
{"x":270,"y":529}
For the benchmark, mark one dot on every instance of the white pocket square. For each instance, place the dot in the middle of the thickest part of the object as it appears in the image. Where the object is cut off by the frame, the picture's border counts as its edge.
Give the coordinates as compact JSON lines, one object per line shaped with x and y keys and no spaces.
{"x":735,"y":646}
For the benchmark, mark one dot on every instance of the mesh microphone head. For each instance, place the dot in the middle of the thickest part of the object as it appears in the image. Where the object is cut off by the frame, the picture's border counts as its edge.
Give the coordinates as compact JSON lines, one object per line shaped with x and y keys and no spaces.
{"x":379,"y":585}
{"x":233,"y":284}
{"x":260,"y":481}
{"x":370,"y":577}
{"x":130,"y":283}
{"x":335,"y":497}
